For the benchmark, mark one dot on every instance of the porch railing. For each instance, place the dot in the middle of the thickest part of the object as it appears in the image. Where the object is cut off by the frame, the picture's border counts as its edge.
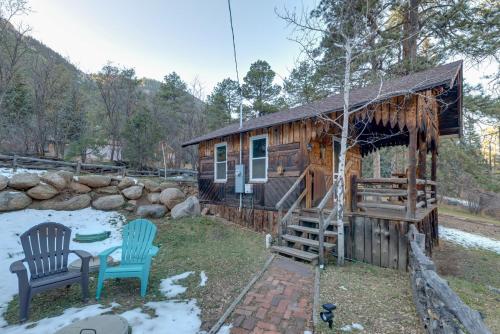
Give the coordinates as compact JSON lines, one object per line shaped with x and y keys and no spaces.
{"x":283,"y":220}
{"x":390,"y":193}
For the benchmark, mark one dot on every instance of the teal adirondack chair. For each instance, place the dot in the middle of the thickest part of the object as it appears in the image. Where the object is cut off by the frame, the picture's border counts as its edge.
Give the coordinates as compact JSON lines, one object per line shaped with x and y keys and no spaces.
{"x":137,"y":252}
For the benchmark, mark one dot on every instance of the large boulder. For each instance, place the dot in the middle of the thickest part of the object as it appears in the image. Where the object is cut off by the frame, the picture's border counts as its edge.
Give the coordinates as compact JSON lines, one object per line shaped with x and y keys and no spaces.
{"x":151,"y":211}
{"x":4,"y":181}
{"x":75,"y":203}
{"x":126,"y":182}
{"x":79,"y":188}
{"x":66,"y":175}
{"x":42,"y":191}
{"x":13,"y":200}
{"x":109,"y":190}
{"x":133,"y":192}
{"x":55,"y":180}
{"x":95,"y":181}
{"x":188,"y":208}
{"x":110,"y":202}
{"x":23,"y":181}
{"x":170,"y":197}
{"x":152,"y":186}
{"x":154,"y":198}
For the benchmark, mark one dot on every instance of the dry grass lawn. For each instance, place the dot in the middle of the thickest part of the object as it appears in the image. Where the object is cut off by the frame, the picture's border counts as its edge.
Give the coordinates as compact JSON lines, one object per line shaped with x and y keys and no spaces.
{"x":377,"y":298}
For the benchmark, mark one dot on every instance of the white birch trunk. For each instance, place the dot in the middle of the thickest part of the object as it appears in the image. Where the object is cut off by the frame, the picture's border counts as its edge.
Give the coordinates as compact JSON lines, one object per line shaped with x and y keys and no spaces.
{"x":342,"y":156}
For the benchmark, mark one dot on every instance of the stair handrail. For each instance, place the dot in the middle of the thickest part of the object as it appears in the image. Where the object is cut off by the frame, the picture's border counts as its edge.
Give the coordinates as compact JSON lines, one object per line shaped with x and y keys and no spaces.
{"x":324,"y":222}
{"x":279,"y":205}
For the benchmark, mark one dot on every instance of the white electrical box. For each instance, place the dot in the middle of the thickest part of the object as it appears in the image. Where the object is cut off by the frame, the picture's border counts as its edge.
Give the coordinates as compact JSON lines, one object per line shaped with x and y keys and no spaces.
{"x":248,"y":188}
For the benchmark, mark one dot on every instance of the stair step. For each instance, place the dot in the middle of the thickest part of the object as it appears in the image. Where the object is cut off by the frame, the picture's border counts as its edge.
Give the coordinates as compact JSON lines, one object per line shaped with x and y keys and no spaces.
{"x":311,"y":230}
{"x":314,"y":220}
{"x":296,"y":253}
{"x":306,"y":242}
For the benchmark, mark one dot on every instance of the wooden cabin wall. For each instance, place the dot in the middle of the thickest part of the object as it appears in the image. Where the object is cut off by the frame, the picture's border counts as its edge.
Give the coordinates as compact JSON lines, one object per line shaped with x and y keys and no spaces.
{"x":286,"y":161}
{"x":288,"y":156}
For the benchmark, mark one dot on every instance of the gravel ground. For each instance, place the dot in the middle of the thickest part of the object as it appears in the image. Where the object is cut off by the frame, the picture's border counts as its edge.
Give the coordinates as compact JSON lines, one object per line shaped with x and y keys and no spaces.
{"x":378,"y":299}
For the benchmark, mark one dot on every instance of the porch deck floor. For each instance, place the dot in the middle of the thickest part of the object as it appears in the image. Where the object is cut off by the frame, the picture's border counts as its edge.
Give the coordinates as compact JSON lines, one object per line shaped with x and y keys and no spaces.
{"x":421,"y":213}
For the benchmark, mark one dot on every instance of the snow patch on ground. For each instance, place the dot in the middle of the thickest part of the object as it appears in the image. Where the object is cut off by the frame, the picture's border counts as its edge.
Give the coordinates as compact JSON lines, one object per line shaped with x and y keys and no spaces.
{"x":52,"y":325}
{"x":13,"y":224}
{"x":203,"y":279}
{"x":226,"y":329}
{"x":8,"y":172}
{"x":170,"y":289}
{"x":171,"y":317}
{"x":469,"y":240}
{"x":352,"y":327}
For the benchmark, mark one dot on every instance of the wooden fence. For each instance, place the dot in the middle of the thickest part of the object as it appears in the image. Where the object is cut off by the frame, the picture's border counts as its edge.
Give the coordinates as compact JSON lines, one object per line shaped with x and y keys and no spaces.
{"x":440,"y":309}
{"x":15,"y":161}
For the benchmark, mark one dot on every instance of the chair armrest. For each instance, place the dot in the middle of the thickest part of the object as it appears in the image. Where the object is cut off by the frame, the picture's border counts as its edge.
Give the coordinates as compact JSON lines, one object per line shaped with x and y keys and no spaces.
{"x":81,"y":254}
{"x":108,"y":251}
{"x":18,"y":267}
{"x":153,"y":251}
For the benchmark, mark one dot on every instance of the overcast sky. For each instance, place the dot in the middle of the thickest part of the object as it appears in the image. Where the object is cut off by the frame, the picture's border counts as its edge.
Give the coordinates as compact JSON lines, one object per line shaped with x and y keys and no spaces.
{"x":156,"y":37}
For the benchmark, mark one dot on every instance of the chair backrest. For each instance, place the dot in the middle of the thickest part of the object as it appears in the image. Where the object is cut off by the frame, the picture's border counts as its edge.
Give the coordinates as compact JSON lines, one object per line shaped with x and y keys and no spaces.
{"x":46,"y":248}
{"x":138,"y":238}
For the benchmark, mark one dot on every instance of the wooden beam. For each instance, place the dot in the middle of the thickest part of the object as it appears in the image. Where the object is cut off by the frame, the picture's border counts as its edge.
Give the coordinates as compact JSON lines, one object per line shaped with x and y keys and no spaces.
{"x":412,"y":173}
{"x":434,"y":171}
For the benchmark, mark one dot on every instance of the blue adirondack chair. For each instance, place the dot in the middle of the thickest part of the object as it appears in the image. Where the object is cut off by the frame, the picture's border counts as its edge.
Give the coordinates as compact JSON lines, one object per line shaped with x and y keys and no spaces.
{"x":137,"y":252}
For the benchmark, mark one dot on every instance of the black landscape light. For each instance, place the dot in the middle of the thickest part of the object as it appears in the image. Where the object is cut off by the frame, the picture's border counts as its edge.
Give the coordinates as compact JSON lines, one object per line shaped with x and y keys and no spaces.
{"x":327,"y":315}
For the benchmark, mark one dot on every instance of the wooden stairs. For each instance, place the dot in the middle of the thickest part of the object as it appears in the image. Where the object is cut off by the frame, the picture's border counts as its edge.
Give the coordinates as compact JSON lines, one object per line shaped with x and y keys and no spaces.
{"x":300,"y":240}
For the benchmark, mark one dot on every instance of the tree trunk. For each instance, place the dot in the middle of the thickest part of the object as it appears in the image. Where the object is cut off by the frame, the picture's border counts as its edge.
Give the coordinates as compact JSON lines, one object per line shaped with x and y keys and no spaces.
{"x":410,"y":35}
{"x":342,"y":156}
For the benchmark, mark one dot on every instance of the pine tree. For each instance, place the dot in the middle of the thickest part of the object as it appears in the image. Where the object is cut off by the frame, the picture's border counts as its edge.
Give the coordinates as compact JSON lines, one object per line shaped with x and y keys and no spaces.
{"x":259,"y":88}
{"x":303,"y":85}
{"x":222,"y":103}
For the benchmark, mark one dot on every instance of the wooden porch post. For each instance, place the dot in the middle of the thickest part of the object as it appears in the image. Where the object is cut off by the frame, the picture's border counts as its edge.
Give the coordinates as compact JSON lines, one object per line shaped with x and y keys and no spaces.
{"x":422,"y":156}
{"x":412,"y":173}
{"x":422,"y":167}
{"x":434,"y":172}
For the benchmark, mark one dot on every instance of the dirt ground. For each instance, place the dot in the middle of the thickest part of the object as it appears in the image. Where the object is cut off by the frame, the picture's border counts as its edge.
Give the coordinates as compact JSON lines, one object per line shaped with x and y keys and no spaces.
{"x":475,"y":276}
{"x":483,"y":228}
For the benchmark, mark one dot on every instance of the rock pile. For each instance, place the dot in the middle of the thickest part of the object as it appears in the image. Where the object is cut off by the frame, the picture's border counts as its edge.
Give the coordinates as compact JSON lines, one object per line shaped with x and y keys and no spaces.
{"x":63,"y":191}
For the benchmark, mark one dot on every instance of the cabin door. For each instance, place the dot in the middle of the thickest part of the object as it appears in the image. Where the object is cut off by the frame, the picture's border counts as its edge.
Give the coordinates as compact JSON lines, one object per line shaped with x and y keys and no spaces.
{"x":322,"y":159}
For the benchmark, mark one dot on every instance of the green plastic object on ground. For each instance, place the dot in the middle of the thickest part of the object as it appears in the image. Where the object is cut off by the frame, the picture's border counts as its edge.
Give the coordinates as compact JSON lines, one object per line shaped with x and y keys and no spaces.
{"x":92,"y":237}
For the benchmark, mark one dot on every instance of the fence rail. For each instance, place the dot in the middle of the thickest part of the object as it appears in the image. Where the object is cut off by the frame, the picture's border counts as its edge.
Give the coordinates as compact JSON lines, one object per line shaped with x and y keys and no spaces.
{"x":15,"y":161}
{"x":439,"y":307}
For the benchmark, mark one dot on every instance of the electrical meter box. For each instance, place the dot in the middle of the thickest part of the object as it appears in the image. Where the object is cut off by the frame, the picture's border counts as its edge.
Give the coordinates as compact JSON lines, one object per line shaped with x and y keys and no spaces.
{"x":248,"y":188}
{"x":239,"y":179}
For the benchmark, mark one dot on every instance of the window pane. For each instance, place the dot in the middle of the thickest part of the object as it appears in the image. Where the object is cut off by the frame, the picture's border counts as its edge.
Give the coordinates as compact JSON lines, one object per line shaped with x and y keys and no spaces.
{"x":259,"y":148}
{"x":258,"y":168}
{"x":220,"y":171}
{"x":221,"y":153}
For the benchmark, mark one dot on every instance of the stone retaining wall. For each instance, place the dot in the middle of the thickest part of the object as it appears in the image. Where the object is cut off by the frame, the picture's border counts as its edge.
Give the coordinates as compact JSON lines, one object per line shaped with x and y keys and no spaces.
{"x":63,"y":191}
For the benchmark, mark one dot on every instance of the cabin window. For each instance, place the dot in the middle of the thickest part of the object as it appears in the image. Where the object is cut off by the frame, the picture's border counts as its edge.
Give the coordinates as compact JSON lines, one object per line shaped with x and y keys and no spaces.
{"x":220,"y":162}
{"x":258,"y":158}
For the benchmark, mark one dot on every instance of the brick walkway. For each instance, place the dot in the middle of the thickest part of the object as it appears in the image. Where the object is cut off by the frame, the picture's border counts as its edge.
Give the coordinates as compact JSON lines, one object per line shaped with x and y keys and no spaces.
{"x":279,"y":302}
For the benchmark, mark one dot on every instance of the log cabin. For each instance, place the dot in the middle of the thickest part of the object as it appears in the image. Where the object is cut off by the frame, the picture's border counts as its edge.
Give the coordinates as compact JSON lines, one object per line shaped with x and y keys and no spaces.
{"x":276,"y":173}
